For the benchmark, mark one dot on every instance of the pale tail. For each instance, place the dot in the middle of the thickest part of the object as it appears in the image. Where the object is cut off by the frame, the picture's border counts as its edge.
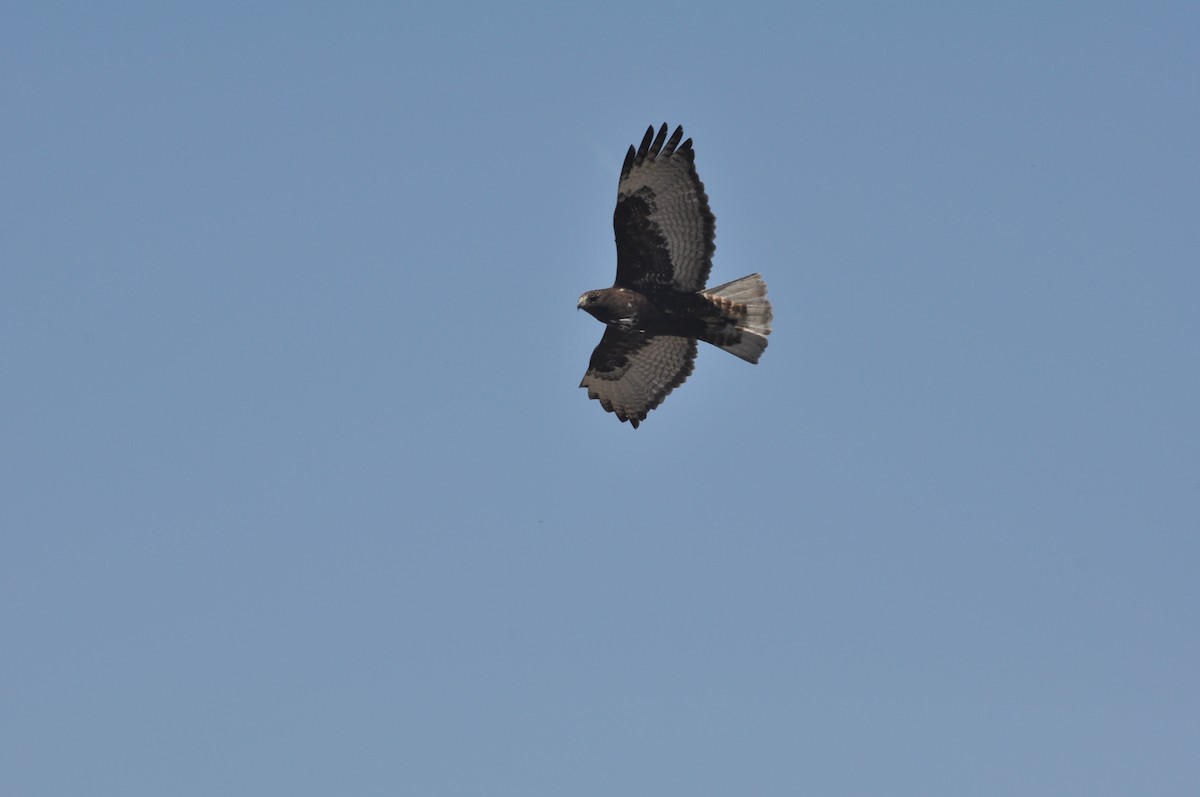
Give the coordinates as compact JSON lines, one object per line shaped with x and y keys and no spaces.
{"x":744,"y":304}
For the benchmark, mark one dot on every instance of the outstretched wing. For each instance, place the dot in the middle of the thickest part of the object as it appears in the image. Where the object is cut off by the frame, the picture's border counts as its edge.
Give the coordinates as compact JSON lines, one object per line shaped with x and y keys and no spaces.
{"x":631,"y":372}
{"x":665,"y":231}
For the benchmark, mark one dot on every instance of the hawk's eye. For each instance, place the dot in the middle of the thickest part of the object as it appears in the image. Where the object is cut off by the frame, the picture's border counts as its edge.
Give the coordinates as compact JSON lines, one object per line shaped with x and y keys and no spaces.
{"x":591,"y":300}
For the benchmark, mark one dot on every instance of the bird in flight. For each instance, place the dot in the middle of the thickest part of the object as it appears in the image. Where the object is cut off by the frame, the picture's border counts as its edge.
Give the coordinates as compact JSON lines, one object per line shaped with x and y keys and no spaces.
{"x":658,"y":306}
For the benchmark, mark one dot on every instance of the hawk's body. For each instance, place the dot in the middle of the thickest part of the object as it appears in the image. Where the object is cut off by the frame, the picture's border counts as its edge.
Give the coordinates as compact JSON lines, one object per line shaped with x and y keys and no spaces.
{"x":658,"y":308}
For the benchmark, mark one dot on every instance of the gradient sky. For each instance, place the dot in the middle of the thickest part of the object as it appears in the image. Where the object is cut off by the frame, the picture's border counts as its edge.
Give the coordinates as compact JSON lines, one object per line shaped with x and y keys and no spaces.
{"x":300,"y":496}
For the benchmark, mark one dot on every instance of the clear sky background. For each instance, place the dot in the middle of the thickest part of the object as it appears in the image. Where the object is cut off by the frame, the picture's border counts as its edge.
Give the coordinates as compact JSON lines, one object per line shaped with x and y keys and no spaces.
{"x":300,"y":496}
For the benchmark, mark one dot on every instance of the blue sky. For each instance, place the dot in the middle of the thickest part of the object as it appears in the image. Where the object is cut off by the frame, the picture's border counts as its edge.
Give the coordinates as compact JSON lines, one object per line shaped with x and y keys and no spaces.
{"x":300,"y":495}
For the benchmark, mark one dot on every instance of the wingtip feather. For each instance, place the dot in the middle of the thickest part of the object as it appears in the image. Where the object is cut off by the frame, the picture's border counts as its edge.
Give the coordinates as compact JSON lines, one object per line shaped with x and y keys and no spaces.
{"x":644,"y":149}
{"x":657,"y":146}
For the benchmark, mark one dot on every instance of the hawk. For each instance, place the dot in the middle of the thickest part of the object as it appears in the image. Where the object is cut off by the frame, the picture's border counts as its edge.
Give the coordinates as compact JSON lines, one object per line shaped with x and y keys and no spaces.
{"x":658,"y":306}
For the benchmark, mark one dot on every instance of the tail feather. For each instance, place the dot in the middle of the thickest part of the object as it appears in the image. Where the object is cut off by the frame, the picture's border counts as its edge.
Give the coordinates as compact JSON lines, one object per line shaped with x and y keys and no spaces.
{"x":747,"y":313}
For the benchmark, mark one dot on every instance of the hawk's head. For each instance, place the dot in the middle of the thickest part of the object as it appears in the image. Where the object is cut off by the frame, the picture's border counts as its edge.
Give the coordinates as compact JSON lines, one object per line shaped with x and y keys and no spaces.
{"x":609,"y":305}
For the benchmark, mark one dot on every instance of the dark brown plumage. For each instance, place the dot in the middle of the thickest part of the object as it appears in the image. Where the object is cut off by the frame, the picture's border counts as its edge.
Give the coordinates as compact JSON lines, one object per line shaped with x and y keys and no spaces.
{"x":658,"y":308}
